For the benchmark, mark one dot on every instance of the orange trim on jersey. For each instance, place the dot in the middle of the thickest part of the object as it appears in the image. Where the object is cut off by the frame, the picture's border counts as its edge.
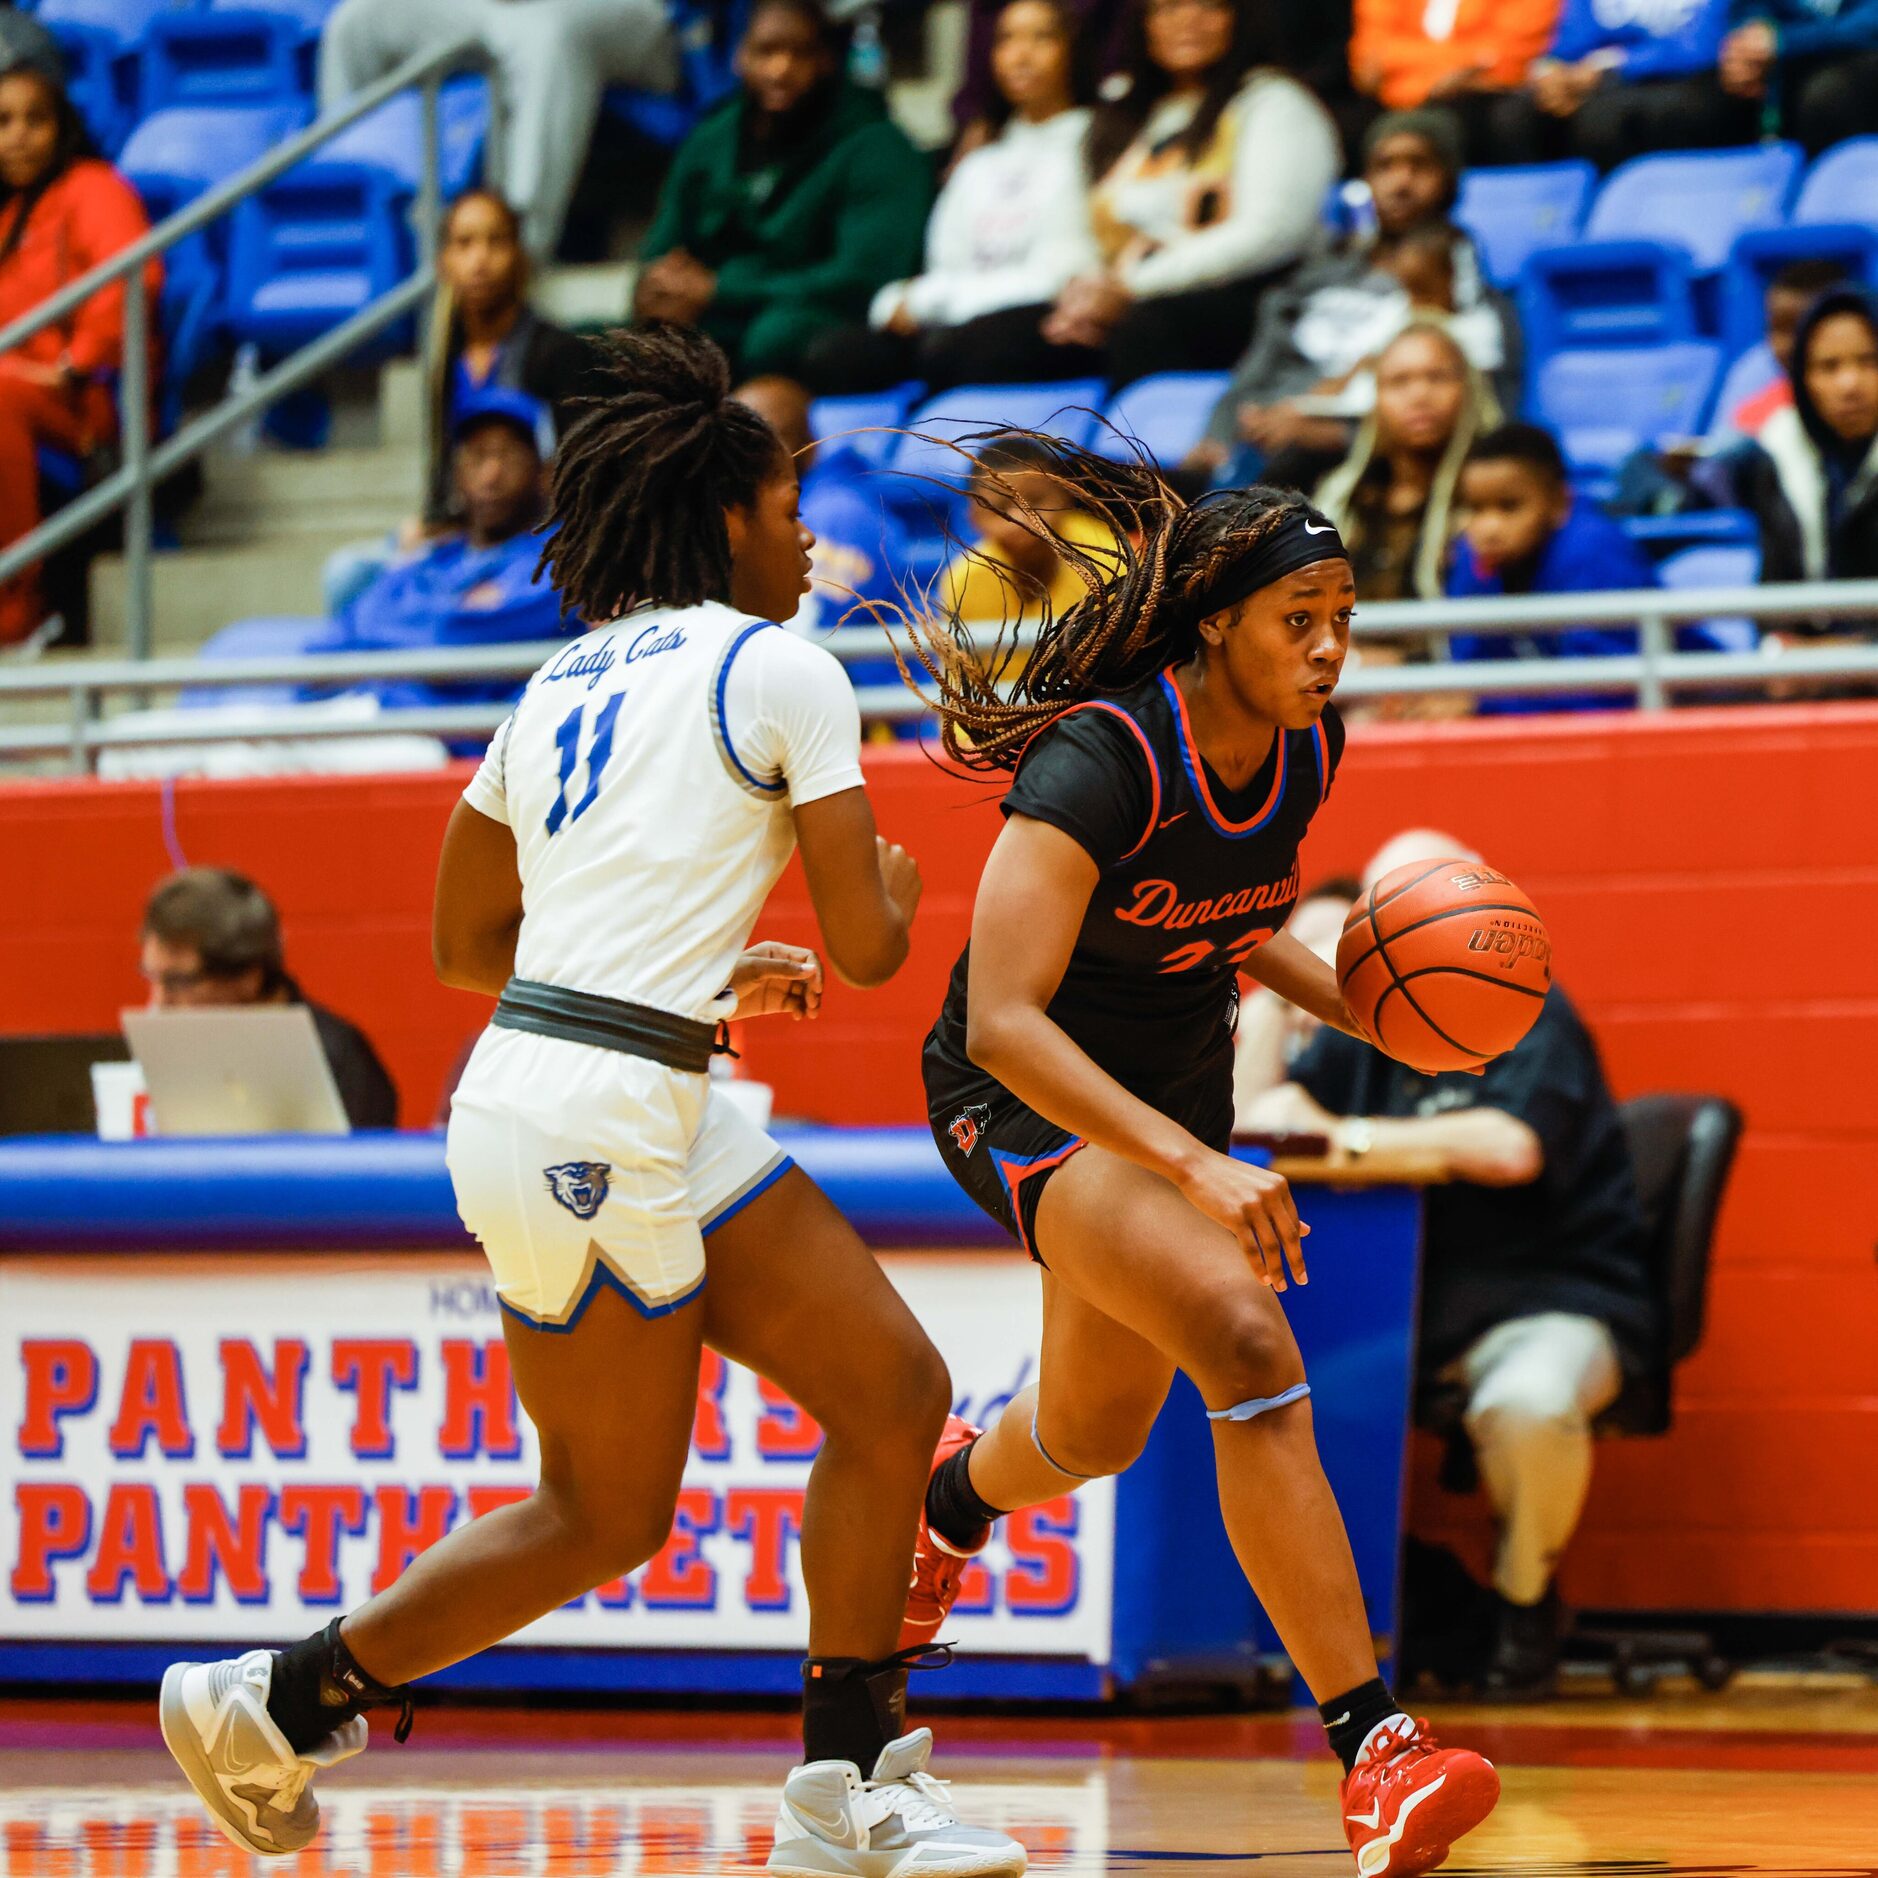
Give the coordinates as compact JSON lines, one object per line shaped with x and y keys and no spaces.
{"x":1147,"y":750}
{"x":1196,"y":768}
{"x":1013,"y":1171}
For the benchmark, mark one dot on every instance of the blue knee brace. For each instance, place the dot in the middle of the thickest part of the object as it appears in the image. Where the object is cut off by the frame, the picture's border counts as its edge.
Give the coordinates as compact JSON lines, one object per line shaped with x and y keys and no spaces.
{"x":1259,"y":1405}
{"x":1036,"y":1441}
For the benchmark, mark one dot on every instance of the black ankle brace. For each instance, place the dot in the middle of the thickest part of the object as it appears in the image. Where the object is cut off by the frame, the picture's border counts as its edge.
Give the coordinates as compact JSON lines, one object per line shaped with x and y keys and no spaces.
{"x":318,"y":1686}
{"x":852,"y":1708}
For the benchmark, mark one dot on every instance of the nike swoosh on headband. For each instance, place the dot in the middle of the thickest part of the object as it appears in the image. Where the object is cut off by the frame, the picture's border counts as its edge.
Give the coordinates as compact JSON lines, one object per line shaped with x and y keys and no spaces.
{"x":1311,"y":529}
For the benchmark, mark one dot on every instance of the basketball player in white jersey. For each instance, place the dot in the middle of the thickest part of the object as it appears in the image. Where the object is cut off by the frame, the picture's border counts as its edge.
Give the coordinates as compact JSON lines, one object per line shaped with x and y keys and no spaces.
{"x":602,"y":874}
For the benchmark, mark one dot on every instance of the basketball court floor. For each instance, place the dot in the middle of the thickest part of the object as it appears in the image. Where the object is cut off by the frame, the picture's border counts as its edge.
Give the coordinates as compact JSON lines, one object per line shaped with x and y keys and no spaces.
{"x":1776,"y":1777}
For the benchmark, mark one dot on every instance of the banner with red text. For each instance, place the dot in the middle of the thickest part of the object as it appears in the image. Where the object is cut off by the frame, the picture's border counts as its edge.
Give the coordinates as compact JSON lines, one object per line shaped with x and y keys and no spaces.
{"x":219,"y":1447}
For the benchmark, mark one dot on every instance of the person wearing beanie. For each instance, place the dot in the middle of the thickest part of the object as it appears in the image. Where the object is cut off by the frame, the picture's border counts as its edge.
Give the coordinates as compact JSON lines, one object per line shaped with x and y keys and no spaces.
{"x":1336,"y":310}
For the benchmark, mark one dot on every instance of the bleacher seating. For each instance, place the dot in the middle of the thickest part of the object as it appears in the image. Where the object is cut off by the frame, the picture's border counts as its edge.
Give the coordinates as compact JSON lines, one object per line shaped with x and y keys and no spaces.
{"x":177,"y":153}
{"x":1514,"y":211}
{"x":1164,"y":415}
{"x":1699,"y":200}
{"x":866,"y":424}
{"x":1605,"y":402}
{"x":1718,"y":565}
{"x":205,"y":56}
{"x":1605,"y":293}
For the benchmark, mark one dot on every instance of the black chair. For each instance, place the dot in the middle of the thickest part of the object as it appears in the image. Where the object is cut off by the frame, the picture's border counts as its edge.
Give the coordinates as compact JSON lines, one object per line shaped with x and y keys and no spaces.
{"x":1681,"y":1149}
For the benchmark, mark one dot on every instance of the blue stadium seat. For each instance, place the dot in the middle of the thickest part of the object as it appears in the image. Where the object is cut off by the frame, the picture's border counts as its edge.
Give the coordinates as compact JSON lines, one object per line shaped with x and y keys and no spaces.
{"x":311,"y":249}
{"x":189,"y":315}
{"x":1762,"y":252}
{"x":1699,"y":200}
{"x":923,"y":469}
{"x":282,"y":638}
{"x":392,"y":137}
{"x":1604,"y":293}
{"x":1166,"y":415}
{"x":873,"y":416}
{"x":1604,"y":402}
{"x":1663,"y":535}
{"x":1511,"y":212}
{"x":176,"y":154}
{"x":233,"y":56}
{"x":99,"y":41}
{"x":1842,"y":186}
{"x":1718,"y":566}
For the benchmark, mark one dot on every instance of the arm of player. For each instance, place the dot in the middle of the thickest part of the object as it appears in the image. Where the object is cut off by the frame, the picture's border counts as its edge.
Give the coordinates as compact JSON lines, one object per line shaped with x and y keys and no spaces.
{"x":478,"y":908}
{"x":865,"y":891}
{"x":1284,"y":965}
{"x":1484,"y":1146}
{"x":1031,"y":901}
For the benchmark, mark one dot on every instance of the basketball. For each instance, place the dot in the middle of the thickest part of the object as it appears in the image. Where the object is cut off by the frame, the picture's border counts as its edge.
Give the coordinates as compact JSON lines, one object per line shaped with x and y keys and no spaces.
{"x":1445,"y":963}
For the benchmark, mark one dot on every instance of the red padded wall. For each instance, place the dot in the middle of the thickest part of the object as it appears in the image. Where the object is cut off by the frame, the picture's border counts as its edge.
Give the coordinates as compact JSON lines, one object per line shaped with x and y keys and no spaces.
{"x":1711,"y":880}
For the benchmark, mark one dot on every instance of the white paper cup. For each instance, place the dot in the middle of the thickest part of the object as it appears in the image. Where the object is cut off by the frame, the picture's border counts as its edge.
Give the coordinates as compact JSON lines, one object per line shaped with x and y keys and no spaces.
{"x":122,"y":1103}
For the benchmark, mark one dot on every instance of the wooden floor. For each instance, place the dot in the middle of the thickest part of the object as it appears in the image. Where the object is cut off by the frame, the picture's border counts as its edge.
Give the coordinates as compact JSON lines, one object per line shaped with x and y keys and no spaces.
{"x":1772,"y":1778}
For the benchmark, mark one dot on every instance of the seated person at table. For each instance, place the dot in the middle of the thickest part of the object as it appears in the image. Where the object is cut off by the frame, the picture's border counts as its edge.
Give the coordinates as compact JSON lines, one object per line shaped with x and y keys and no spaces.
{"x":1536,"y":1291}
{"x":790,"y":206}
{"x":481,"y":585}
{"x":1010,"y":569}
{"x":211,"y":938}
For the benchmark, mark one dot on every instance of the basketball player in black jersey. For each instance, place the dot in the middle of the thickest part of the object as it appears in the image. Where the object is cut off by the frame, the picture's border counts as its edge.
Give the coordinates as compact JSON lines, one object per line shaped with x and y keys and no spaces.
{"x":1169,"y":742}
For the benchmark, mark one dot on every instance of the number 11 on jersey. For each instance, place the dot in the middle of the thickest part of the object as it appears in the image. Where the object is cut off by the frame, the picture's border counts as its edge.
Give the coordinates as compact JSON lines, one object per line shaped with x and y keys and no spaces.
{"x":567,"y":741}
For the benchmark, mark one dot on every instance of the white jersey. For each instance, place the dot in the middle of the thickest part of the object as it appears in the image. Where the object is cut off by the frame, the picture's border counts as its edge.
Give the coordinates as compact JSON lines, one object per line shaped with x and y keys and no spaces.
{"x":648,"y":775}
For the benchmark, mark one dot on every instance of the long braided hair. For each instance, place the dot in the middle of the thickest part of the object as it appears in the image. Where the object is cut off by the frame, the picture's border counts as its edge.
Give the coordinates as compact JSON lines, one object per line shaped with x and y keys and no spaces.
{"x":646,"y":471}
{"x":1141,"y":609}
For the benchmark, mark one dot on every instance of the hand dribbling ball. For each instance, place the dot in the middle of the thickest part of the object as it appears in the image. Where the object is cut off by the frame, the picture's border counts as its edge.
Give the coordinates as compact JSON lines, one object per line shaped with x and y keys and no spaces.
{"x":1445,"y":964}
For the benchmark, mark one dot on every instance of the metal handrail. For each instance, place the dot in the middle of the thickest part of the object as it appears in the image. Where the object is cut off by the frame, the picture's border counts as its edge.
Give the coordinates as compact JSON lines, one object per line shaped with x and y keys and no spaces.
{"x":132,"y":485}
{"x":1652,"y":674}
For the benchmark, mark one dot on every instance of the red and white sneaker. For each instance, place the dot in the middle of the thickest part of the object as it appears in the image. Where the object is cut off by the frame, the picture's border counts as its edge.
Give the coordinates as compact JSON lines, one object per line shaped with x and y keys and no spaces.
{"x":938,"y":1565}
{"x":1408,"y":1800}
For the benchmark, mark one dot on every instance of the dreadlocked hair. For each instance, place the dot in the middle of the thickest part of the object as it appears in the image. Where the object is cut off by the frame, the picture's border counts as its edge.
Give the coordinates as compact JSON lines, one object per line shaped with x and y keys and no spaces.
{"x":1143,"y":600}
{"x":646,"y":471}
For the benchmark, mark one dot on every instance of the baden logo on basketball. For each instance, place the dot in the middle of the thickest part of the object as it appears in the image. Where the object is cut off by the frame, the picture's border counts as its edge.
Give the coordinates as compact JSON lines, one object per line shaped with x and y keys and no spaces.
{"x":1507,"y":945}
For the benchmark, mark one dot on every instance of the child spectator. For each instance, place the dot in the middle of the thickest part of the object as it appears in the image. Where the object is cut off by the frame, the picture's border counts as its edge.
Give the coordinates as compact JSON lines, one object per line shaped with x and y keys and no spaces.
{"x":1010,"y":230}
{"x":62,"y":211}
{"x":1526,"y":530}
{"x":790,"y":206}
{"x":1336,"y":310}
{"x":491,"y":337}
{"x":1210,"y":171}
{"x":1595,"y":92}
{"x":1465,"y":54}
{"x":1011,"y":567}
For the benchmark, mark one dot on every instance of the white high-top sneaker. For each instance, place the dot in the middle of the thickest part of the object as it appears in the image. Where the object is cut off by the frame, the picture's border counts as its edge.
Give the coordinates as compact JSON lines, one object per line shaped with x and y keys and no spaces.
{"x":834,"y":1824}
{"x":216,"y":1725}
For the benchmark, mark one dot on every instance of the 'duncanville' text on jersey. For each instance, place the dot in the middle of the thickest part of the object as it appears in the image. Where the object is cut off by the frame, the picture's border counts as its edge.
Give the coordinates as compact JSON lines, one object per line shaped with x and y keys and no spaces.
{"x":1194,"y":876}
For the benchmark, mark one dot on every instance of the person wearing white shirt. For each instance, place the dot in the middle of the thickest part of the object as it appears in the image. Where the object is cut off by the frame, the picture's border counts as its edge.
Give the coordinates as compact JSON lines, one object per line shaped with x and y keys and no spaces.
{"x":1211,"y":172}
{"x":1010,"y":230}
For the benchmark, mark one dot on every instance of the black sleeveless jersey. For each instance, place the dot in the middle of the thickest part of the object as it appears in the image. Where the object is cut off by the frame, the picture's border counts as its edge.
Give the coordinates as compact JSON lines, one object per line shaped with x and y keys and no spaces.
{"x":1194,"y":878}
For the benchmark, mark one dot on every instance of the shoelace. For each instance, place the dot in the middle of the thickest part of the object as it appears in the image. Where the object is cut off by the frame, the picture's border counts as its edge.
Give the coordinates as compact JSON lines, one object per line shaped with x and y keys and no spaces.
{"x":919,"y":1799}
{"x":1391,"y":1745}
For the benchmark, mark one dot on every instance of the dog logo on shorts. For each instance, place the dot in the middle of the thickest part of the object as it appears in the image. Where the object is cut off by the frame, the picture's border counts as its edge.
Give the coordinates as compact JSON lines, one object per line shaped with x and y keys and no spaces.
{"x":968,"y":1125}
{"x":580,"y":1186}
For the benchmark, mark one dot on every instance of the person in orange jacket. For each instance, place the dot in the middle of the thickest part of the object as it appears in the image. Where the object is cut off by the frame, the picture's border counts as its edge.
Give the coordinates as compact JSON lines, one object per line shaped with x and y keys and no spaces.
{"x":1405,"y":53}
{"x":62,"y":211}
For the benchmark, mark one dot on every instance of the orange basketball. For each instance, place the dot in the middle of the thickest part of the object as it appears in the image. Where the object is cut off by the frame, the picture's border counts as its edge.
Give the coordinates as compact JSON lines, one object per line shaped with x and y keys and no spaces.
{"x":1445,"y":963}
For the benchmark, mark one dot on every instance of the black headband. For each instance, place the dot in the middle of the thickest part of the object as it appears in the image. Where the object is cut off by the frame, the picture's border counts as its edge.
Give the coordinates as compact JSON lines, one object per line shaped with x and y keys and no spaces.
{"x":1304,"y":538}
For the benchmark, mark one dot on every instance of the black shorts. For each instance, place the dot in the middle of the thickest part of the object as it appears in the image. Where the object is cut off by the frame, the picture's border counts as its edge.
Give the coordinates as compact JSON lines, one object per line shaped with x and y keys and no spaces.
{"x":1003,"y":1152}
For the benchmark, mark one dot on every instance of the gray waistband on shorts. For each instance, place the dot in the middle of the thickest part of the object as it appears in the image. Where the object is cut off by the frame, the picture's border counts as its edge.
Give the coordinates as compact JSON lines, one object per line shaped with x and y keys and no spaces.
{"x":606,"y":1023}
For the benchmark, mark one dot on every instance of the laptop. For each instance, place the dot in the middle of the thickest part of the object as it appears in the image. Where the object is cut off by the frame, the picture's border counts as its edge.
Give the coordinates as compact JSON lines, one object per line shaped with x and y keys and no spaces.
{"x":254,"y":1069}
{"x":45,"y":1082}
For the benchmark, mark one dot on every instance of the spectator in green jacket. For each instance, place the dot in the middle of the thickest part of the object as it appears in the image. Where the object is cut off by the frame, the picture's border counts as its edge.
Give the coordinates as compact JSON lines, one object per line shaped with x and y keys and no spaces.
{"x":788,"y":207}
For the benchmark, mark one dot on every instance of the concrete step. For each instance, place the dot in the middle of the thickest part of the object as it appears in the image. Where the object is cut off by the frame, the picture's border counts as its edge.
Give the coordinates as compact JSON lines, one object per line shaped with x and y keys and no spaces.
{"x":199,"y":590}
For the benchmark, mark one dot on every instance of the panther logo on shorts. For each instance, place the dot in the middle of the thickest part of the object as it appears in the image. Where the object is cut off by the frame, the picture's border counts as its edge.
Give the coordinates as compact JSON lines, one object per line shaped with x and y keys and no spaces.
{"x":968,"y":1125}
{"x":580,"y":1186}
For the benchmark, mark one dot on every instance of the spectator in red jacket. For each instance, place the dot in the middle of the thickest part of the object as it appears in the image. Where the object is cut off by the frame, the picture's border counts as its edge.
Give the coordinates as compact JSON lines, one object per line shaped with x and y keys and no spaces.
{"x":62,"y":211}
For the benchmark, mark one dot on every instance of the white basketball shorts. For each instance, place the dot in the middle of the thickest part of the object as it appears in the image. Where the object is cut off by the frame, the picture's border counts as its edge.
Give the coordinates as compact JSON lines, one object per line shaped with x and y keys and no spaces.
{"x":580,"y":1167}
